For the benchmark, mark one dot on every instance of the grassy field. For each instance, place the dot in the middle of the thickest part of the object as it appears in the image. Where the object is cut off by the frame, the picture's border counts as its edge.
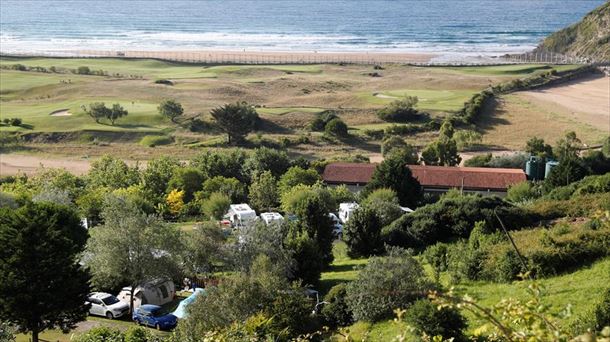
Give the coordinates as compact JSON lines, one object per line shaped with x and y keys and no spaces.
{"x":579,"y":289}
{"x":287,"y":99}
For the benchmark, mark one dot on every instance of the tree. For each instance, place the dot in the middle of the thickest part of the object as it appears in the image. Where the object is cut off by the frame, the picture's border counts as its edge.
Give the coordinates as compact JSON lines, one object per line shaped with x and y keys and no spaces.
{"x":116,"y":112}
{"x":536,"y":147}
{"x":216,"y":205}
{"x":295,"y":176}
{"x":112,"y":173}
{"x":132,"y":247}
{"x":400,"y":110}
{"x":228,"y":186}
{"x":442,"y":152}
{"x":170,"y":109}
{"x":466,"y":139}
{"x":204,"y":247}
{"x":569,"y":170}
{"x":267,"y":159}
{"x":386,"y":283}
{"x":97,"y":111}
{"x":394,"y":142}
{"x":393,"y":173}
{"x":43,"y":285}
{"x":222,"y":163}
{"x":235,"y":119}
{"x":568,"y":147}
{"x":311,"y":207}
{"x":336,"y":127}
{"x":188,"y":179}
{"x":156,"y":176}
{"x":263,"y":192}
{"x":362,"y":233}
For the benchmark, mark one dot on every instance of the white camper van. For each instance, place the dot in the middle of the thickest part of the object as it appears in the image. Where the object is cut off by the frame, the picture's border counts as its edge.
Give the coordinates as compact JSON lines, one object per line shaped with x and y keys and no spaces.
{"x":241,"y":215}
{"x":346,"y":210}
{"x":272,"y":217}
{"x":157,"y":292}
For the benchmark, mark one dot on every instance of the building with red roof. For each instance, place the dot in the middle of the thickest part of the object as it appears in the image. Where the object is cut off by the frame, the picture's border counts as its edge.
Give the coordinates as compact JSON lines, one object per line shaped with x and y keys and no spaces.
{"x":433,"y":179}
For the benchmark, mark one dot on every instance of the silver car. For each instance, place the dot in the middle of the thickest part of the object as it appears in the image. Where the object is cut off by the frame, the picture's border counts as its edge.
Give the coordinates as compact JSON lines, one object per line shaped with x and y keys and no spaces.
{"x":105,"y":304}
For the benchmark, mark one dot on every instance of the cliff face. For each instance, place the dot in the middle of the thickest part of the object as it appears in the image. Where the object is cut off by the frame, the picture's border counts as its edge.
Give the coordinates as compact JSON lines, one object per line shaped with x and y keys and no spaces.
{"x":589,"y":38}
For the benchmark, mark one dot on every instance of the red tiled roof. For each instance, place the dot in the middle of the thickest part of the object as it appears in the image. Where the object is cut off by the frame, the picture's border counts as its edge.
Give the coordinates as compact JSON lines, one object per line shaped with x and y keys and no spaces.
{"x":468,"y":177}
{"x":430,"y":176}
{"x":348,"y":173}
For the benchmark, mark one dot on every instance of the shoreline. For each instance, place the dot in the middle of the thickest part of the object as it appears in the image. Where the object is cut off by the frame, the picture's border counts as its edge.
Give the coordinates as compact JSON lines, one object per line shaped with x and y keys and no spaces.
{"x":244,"y":56}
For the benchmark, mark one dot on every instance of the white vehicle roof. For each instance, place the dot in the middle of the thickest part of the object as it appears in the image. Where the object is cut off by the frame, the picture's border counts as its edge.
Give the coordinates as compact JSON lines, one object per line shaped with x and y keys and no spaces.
{"x":406,"y":209}
{"x":272,"y":216}
{"x":348,"y":206}
{"x":241,"y":209}
{"x":99,"y":295}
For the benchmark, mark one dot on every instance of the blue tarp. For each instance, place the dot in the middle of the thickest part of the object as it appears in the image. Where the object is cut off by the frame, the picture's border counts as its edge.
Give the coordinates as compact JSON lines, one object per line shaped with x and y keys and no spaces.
{"x":180,"y":311}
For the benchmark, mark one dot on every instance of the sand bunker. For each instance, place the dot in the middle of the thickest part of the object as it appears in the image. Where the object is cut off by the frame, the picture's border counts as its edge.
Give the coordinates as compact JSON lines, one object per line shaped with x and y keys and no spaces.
{"x":61,"y":112}
{"x":383,"y":96}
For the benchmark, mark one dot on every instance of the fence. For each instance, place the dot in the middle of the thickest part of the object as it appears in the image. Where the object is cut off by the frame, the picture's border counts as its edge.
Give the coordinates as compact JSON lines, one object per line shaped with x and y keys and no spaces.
{"x":322,"y":58}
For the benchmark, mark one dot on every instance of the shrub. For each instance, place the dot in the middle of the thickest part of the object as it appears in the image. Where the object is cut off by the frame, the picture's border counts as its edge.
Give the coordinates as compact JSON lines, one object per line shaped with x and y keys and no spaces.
{"x":336,"y":127}
{"x":216,"y":205}
{"x":155,"y":140}
{"x":453,"y":217}
{"x":384,"y":284}
{"x":467,"y":139}
{"x":83,"y":70}
{"x":511,"y":161}
{"x":336,"y":313}
{"x":102,"y":333}
{"x":323,"y":118}
{"x":437,"y":256}
{"x":15,"y":122}
{"x":521,"y":192}
{"x":481,"y":160}
{"x":164,"y":81}
{"x":362,"y":233}
{"x":400,"y":110}
{"x":425,"y":317}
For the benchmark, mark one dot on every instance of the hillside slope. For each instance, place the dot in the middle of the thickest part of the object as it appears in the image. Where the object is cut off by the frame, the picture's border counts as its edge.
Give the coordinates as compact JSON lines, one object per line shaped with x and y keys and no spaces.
{"x":589,"y":38}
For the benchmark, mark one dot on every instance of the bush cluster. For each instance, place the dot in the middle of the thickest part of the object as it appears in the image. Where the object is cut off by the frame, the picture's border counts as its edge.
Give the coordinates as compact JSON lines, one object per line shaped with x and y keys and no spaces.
{"x":453,"y":217}
{"x":546,"y":252}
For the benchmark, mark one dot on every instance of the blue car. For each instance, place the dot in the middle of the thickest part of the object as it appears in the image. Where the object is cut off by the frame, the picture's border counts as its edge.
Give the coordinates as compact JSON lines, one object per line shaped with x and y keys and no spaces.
{"x":152,"y":316}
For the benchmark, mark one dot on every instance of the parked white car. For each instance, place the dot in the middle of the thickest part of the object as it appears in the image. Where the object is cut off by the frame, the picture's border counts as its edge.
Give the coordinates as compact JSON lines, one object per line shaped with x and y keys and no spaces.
{"x":105,"y":304}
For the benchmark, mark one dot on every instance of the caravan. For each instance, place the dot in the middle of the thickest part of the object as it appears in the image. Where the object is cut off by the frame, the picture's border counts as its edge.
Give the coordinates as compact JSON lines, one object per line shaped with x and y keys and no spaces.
{"x":346,"y":210}
{"x":157,"y":292}
{"x":241,"y":215}
{"x":272,"y":217}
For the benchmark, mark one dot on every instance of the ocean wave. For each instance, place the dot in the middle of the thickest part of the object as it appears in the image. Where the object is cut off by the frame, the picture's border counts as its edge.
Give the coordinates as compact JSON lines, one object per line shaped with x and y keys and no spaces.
{"x":189,"y":41}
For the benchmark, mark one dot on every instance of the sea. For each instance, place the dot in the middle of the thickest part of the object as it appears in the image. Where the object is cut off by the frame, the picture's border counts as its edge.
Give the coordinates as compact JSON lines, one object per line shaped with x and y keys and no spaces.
{"x":483,"y":27}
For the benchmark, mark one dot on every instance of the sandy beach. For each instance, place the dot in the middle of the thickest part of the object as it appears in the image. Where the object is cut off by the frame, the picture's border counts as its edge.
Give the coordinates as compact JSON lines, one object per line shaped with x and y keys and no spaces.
{"x":267,"y":57}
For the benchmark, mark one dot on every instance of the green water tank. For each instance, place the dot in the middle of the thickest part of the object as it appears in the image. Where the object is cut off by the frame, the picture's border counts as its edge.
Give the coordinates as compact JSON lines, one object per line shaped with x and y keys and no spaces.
{"x":532,"y":167}
{"x":549,"y":166}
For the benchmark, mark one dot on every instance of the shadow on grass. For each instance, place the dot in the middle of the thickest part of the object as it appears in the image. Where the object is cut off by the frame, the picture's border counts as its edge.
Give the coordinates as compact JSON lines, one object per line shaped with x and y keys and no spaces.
{"x":492,"y":116}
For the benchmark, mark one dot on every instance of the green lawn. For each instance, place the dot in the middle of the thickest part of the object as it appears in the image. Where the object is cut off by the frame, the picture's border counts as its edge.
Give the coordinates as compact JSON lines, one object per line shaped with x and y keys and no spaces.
{"x":434,"y":100}
{"x":580,"y":289}
{"x":142,"y":117}
{"x":151,"y":68}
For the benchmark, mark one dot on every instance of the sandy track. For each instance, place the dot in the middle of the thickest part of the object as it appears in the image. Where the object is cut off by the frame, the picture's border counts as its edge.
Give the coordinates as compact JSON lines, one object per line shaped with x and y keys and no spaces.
{"x":589,"y":98}
{"x":13,"y":164}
